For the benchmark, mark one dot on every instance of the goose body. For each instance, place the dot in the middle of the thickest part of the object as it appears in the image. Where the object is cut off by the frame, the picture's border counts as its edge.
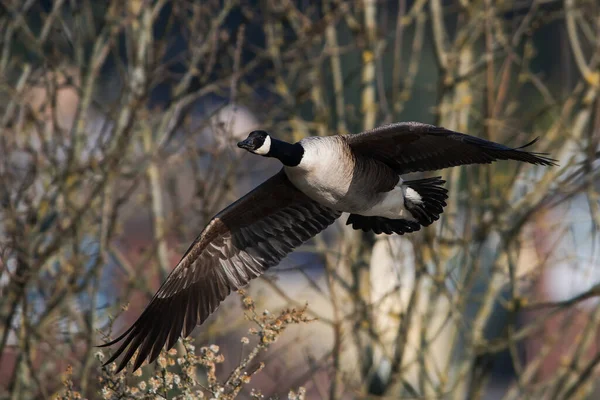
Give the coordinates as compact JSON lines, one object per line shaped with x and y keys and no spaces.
{"x":323,"y":154}
{"x":332,"y":175}
{"x":321,"y":178}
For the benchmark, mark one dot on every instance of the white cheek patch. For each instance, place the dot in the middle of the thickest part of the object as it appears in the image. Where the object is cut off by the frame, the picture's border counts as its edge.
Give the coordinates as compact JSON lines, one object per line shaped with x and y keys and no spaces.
{"x":264,"y":149}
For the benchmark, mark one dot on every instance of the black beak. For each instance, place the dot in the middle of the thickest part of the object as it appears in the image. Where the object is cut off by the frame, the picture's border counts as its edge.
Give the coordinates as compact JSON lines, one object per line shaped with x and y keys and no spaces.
{"x":245,"y":144}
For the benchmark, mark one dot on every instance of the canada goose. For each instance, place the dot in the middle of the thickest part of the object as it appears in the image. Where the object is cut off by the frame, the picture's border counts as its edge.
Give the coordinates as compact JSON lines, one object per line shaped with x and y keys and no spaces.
{"x":321,"y":178}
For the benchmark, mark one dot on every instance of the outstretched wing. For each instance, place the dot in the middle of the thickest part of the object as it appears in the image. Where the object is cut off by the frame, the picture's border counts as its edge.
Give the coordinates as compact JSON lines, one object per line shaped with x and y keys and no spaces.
{"x":413,"y":146}
{"x":237,"y":245}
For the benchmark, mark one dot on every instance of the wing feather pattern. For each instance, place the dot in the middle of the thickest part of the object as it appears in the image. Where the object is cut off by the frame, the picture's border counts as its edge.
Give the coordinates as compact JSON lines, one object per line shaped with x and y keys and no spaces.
{"x":239,"y":244}
{"x":413,"y":146}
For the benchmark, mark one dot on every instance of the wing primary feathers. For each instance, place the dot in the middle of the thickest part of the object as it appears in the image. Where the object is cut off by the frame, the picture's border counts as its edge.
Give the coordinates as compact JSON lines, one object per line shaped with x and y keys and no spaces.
{"x":528,"y":144}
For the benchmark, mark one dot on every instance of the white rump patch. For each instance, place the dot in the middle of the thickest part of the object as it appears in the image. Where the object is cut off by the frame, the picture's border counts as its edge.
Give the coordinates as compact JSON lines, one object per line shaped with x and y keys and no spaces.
{"x":412,"y":195}
{"x":265,"y":148}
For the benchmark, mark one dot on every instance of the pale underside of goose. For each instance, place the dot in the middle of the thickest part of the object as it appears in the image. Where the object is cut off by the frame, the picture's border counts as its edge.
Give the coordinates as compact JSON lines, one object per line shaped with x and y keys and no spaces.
{"x":358,"y":174}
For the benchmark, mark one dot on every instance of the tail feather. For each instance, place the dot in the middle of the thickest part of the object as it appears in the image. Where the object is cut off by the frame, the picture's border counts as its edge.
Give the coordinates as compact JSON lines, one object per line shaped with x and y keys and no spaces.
{"x":431,"y":202}
{"x":382,"y":225}
{"x":424,"y":198}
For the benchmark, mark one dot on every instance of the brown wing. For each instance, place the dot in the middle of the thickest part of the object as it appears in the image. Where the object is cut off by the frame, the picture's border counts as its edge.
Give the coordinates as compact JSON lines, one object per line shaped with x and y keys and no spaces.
{"x":239,"y":244}
{"x":412,"y":146}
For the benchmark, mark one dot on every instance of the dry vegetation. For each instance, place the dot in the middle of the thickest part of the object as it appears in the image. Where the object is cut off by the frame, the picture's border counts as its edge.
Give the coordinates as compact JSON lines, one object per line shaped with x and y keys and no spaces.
{"x":175,"y":376}
{"x":117,"y":121}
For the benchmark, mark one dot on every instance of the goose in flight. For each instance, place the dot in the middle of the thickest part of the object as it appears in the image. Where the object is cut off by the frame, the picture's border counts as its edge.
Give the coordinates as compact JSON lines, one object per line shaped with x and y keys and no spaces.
{"x":321,"y":178}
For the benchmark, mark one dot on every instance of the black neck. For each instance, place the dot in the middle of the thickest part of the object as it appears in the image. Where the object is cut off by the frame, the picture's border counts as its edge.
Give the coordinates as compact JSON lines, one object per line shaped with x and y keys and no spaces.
{"x":289,"y":154}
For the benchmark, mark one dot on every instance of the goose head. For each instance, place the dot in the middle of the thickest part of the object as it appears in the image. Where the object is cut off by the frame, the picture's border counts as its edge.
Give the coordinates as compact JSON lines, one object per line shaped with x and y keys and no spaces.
{"x":257,"y":142}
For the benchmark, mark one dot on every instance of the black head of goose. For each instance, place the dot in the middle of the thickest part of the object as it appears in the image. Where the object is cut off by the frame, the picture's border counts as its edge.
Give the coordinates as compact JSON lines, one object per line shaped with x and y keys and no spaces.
{"x":261,"y":143}
{"x":322,"y":177}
